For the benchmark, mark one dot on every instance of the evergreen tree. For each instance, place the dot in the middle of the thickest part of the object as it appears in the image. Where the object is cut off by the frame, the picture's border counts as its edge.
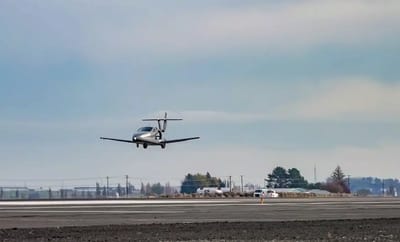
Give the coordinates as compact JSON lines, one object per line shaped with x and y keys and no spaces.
{"x":336,"y":182}
{"x":157,"y":188}
{"x":296,"y":180}
{"x":338,"y":175}
{"x":282,"y":178}
{"x":192,"y":182}
{"x":279,"y":178}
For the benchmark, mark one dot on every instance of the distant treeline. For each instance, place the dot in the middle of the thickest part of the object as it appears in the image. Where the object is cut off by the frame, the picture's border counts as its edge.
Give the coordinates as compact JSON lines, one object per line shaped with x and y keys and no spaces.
{"x":278,"y":178}
{"x":292,"y":178}
{"x":374,"y":186}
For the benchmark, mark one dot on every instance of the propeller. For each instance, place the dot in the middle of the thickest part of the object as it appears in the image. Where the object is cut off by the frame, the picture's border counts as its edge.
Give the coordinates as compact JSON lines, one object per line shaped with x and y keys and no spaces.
{"x":165,"y":122}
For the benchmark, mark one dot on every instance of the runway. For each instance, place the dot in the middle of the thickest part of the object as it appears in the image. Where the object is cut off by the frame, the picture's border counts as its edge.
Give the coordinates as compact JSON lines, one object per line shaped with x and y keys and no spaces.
{"x":25,"y":214}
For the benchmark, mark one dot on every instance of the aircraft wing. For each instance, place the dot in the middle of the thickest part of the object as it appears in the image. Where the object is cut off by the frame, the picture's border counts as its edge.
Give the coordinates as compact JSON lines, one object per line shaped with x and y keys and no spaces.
{"x":120,"y":140}
{"x":178,"y":140}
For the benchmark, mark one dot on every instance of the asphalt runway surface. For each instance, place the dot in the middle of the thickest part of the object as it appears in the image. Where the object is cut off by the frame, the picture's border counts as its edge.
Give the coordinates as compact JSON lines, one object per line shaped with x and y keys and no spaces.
{"x":20,"y":214}
{"x":339,"y":219}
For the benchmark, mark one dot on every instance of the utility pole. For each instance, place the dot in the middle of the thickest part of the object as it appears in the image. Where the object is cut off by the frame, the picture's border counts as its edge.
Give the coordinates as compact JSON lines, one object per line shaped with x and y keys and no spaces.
{"x":127,"y":185}
{"x":383,"y":187}
{"x":241,"y":181}
{"x":348,"y":182}
{"x":315,"y":173}
{"x":107,"y":186}
{"x":230,"y":183}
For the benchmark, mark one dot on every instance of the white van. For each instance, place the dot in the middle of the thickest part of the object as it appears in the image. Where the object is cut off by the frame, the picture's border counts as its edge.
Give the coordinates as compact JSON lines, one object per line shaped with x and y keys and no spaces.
{"x":265,"y":192}
{"x":259,"y":192}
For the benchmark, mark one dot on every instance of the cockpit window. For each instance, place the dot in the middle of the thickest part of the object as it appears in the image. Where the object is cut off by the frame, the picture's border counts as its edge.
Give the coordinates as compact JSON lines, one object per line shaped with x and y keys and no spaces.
{"x":145,"y":129}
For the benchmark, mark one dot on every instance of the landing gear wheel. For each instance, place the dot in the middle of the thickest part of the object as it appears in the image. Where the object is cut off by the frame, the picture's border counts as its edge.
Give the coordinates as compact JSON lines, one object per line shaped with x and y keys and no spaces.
{"x":145,"y":146}
{"x":137,"y":145}
{"x":163,"y":146}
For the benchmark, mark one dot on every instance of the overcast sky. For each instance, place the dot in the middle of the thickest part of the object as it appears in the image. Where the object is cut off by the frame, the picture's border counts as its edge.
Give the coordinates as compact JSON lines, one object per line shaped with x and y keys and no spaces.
{"x":264,"y":83}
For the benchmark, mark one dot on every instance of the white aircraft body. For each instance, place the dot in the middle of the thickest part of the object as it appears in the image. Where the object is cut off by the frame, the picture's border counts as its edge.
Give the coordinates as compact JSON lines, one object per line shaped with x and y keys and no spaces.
{"x":152,"y":135}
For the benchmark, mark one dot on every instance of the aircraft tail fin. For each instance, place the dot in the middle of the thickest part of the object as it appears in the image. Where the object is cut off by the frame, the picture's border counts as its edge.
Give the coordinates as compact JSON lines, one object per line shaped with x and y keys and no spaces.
{"x":162,"y":122}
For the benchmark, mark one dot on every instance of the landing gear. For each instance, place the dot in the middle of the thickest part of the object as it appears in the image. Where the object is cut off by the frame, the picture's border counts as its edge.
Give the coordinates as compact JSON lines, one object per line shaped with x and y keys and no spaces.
{"x":145,"y":146}
{"x":137,"y":145}
{"x":163,"y":146}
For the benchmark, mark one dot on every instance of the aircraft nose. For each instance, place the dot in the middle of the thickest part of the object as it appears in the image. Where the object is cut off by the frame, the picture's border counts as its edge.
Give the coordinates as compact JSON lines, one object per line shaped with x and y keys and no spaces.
{"x":136,"y":136}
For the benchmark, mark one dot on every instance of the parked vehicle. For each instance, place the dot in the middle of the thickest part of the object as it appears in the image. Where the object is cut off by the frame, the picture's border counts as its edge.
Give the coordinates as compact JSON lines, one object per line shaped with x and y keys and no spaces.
{"x":271,"y":193}
{"x":212,"y":190}
{"x":264,"y":192}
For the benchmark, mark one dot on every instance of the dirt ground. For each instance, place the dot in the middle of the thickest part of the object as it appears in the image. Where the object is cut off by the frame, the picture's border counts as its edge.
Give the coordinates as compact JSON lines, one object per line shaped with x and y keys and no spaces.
{"x":326,"y":230}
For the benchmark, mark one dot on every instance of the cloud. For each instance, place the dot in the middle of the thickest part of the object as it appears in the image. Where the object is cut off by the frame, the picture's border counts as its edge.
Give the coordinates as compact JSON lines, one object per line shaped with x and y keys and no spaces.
{"x":346,"y":99}
{"x":136,"y":30}
{"x":266,"y":26}
{"x":349,"y":99}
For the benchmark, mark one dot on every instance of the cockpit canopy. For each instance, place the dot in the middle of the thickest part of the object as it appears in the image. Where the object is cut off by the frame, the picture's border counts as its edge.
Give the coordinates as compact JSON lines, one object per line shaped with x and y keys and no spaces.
{"x":145,"y":129}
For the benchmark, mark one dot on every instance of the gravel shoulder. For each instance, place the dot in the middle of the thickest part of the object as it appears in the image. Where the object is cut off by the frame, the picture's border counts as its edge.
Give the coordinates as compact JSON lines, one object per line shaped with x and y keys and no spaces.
{"x":325,"y":230}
